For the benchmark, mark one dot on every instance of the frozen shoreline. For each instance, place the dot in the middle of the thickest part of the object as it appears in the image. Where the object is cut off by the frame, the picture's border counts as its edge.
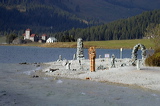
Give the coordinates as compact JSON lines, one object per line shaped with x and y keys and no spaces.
{"x":146,"y":77}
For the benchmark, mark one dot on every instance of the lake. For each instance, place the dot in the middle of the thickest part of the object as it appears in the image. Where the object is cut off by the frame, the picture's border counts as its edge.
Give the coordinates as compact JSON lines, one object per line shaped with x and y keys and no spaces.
{"x":17,"y":54}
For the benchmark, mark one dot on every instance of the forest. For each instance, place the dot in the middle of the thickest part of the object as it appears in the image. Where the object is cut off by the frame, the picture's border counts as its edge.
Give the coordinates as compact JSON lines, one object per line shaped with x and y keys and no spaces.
{"x":16,"y":16}
{"x":130,"y":28}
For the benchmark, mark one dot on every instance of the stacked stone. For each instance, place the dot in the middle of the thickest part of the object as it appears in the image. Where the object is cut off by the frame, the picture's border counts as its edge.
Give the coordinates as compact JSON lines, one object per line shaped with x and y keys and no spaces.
{"x":134,"y":53}
{"x":80,"y":54}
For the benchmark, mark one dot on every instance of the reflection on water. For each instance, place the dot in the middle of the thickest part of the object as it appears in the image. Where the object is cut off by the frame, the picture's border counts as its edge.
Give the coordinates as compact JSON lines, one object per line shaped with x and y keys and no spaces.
{"x":17,"y":54}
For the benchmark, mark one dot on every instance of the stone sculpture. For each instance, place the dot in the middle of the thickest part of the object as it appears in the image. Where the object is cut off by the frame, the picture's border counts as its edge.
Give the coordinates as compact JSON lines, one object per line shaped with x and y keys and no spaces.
{"x":113,"y":61}
{"x":134,"y":53}
{"x":74,"y":57}
{"x":68,"y":66}
{"x":60,"y":58}
{"x":92,"y":56}
{"x":138,"y":64}
{"x":80,"y":54}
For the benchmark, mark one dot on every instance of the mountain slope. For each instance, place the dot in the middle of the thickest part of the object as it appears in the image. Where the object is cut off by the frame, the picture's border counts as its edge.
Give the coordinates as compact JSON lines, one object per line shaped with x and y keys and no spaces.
{"x":130,"y":28}
{"x":39,"y":17}
{"x":50,"y":16}
{"x":110,"y":10}
{"x":102,"y":10}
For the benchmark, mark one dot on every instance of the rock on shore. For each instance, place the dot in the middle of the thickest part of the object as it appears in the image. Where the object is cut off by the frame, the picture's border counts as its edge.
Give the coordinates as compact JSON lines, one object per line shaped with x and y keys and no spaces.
{"x":146,"y":77}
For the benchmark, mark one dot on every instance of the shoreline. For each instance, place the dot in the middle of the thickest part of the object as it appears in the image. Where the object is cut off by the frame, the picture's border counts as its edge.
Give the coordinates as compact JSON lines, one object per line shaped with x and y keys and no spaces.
{"x":129,"y":44}
{"x":146,"y":78}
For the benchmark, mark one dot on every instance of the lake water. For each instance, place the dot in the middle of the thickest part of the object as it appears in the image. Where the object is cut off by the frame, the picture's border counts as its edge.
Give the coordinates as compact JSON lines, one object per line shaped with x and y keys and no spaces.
{"x":17,"y":54}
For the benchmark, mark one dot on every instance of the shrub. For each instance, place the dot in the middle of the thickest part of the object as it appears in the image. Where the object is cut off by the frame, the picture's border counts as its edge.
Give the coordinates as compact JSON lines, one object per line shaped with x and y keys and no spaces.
{"x":154,"y":60}
{"x":157,"y":50}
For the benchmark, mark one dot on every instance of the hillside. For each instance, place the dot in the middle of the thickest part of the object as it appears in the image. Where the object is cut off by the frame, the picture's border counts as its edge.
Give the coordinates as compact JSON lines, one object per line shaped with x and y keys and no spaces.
{"x":110,"y":10}
{"x":130,"y":28}
{"x":41,"y":18}
{"x":50,"y":16}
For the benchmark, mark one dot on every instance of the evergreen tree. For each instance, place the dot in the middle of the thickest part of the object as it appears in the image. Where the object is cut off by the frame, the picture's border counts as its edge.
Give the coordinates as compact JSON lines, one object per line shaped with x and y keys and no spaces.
{"x":10,"y":37}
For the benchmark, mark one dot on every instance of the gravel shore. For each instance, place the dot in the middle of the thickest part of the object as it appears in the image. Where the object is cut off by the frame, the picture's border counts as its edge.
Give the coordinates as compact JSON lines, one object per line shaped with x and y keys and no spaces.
{"x":146,"y":77}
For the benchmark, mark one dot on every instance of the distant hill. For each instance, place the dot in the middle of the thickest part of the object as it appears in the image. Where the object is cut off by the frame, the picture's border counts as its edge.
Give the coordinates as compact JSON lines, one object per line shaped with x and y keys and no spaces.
{"x":50,"y":16}
{"x":34,"y":14}
{"x":129,"y":28}
{"x":110,"y":10}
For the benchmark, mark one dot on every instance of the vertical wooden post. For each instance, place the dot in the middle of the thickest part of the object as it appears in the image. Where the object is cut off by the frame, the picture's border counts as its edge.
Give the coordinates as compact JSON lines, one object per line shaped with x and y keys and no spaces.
{"x":92,"y":56}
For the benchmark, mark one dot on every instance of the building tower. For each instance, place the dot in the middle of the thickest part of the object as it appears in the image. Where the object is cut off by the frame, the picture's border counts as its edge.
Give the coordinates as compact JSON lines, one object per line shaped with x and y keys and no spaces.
{"x":28,"y":33}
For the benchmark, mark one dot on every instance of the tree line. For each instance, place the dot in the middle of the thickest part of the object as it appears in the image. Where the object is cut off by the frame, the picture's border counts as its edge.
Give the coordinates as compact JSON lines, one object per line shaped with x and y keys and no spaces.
{"x":130,"y":28}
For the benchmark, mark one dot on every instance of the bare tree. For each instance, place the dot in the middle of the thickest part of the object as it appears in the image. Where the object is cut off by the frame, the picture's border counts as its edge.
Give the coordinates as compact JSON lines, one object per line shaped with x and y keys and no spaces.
{"x":153,"y":33}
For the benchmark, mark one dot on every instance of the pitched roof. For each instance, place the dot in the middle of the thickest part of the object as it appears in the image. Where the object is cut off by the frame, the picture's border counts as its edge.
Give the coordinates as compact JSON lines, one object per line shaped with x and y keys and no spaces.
{"x":33,"y":35}
{"x":52,"y":38}
{"x":44,"y":35}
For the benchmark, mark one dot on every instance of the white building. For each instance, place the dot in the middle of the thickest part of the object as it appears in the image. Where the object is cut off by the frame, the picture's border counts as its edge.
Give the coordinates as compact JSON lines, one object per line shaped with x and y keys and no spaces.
{"x":27,"y":34}
{"x":34,"y":38}
{"x":44,"y":37}
{"x":51,"y":40}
